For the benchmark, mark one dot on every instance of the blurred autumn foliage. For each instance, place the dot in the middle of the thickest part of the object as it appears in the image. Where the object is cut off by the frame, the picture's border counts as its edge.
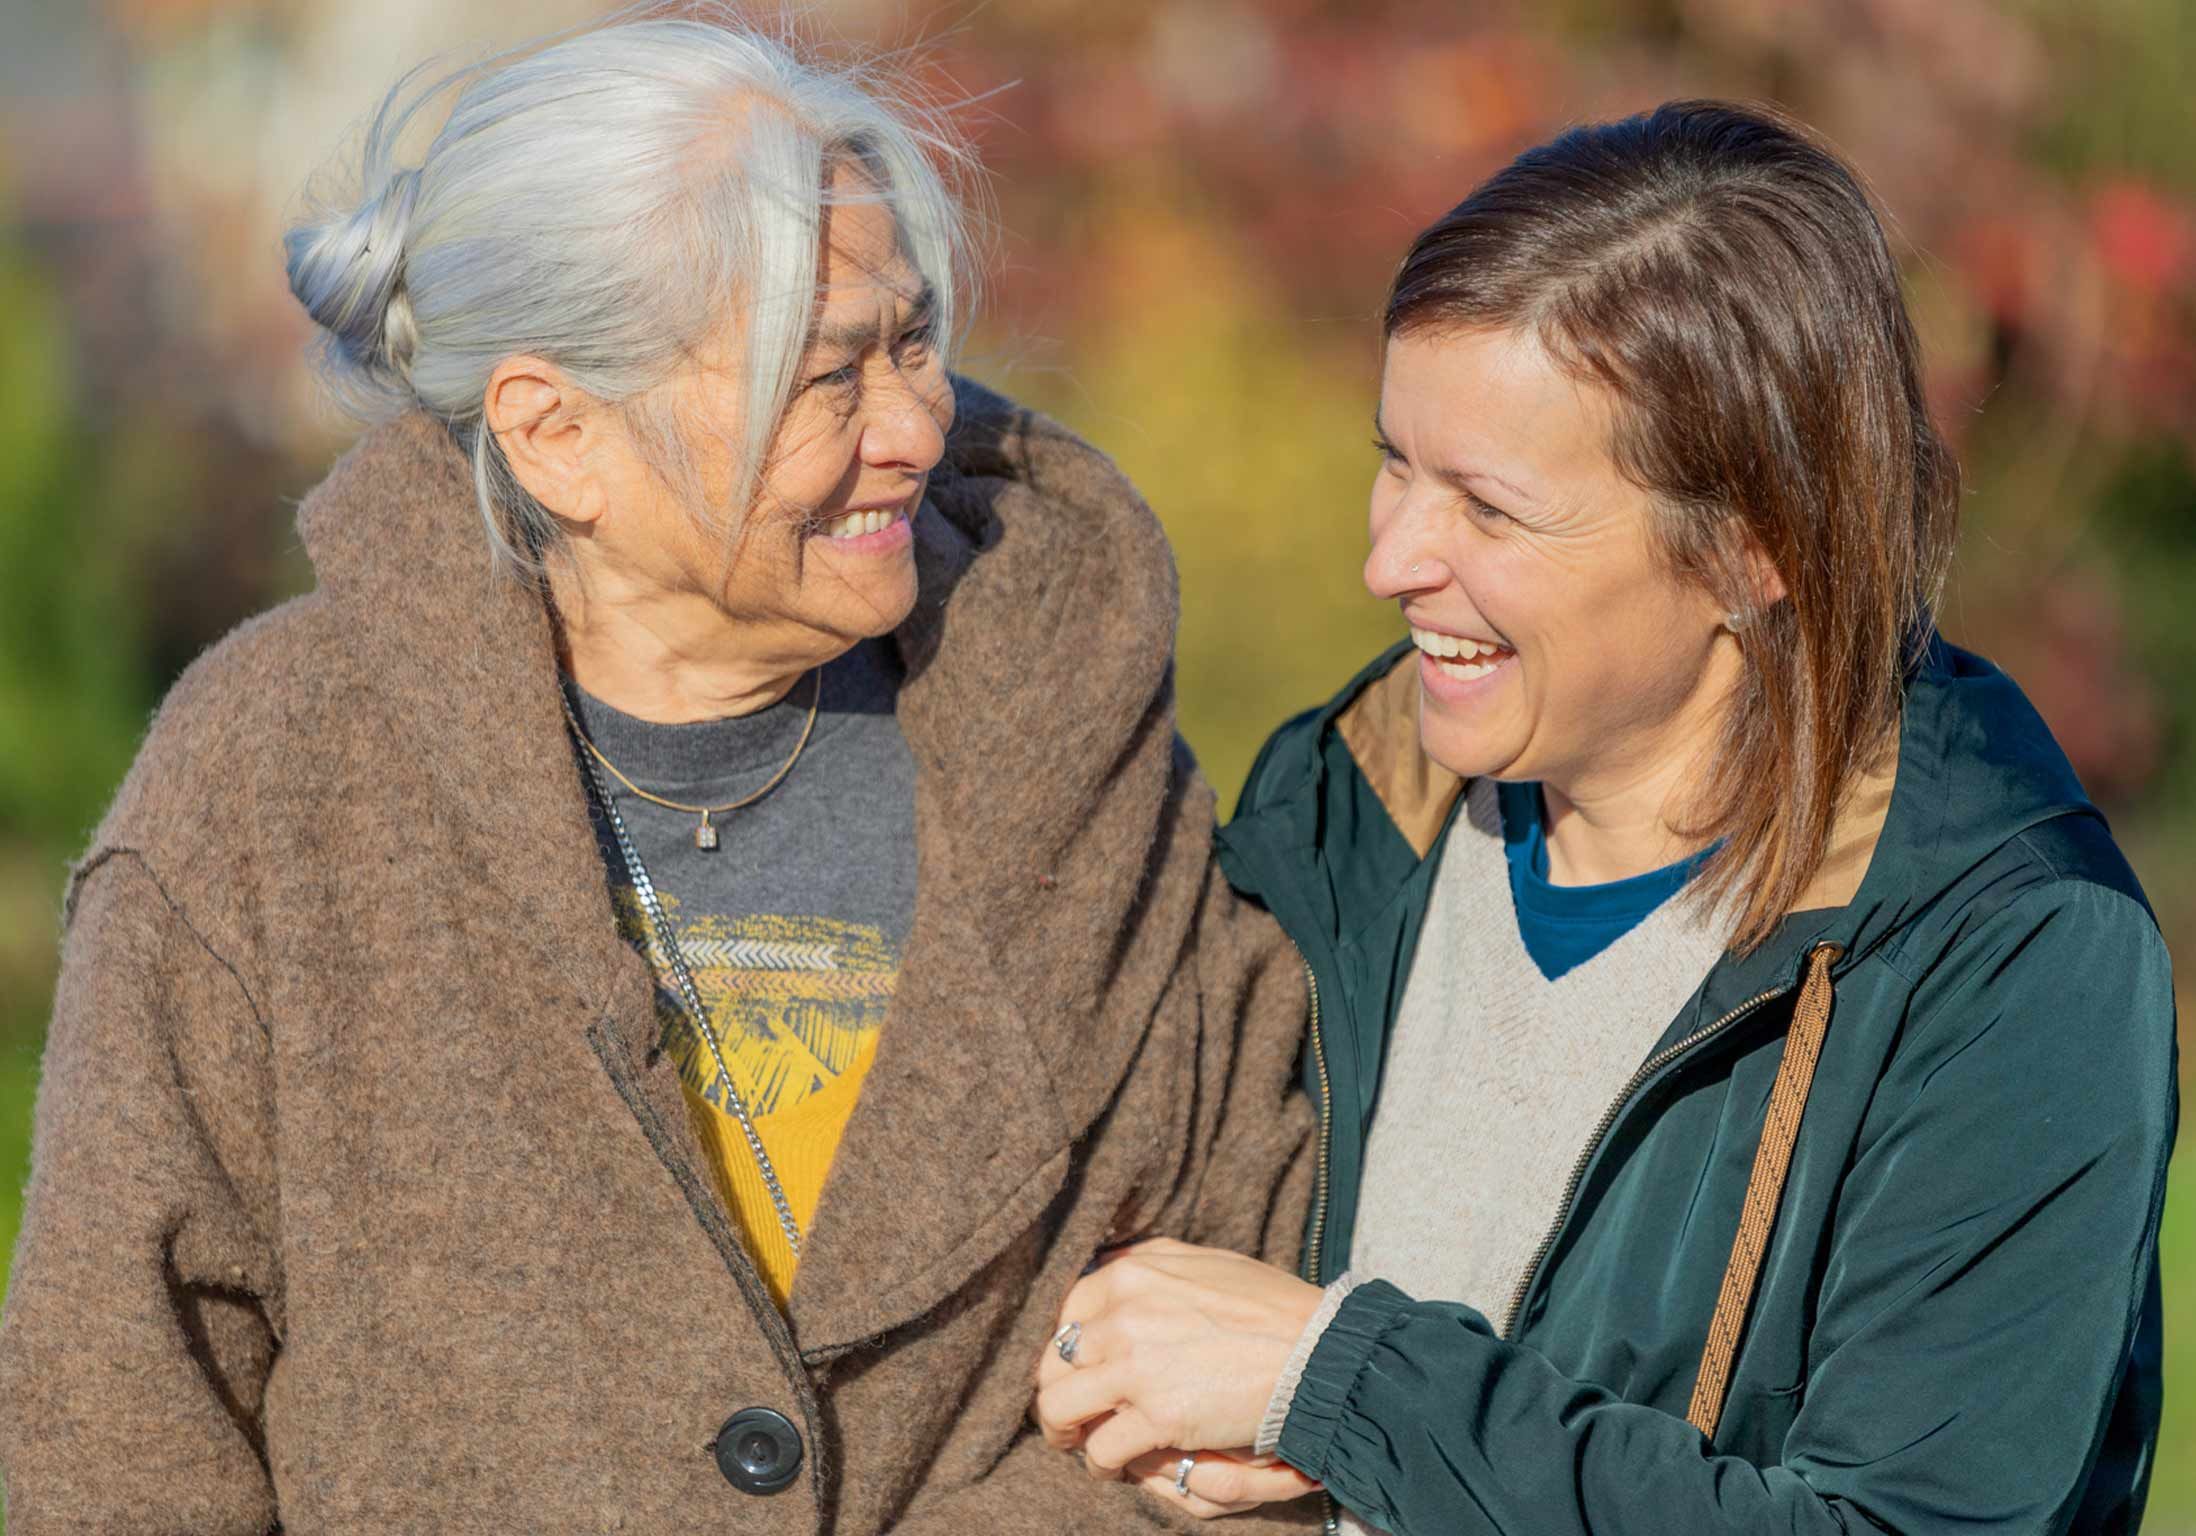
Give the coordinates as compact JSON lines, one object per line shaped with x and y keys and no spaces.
{"x":1198,"y":203}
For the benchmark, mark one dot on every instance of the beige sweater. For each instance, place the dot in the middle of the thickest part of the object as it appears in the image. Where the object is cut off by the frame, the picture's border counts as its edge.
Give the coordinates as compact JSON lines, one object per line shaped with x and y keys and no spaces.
{"x":361,"y":1199}
{"x":1494,"y":1081}
{"x":1496,"y":1076}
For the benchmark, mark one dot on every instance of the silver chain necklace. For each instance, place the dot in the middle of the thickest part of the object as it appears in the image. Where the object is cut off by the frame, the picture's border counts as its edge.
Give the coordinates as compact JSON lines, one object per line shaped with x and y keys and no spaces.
{"x":697,"y":1017}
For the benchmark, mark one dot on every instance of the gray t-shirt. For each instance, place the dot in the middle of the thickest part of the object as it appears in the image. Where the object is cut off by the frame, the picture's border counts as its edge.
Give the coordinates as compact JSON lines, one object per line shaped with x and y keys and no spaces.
{"x":794,"y":924}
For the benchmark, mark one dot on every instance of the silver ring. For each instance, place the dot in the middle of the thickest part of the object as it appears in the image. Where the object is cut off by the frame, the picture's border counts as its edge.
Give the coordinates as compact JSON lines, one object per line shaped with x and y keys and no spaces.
{"x":1182,"y":1475}
{"x":1067,"y":1341}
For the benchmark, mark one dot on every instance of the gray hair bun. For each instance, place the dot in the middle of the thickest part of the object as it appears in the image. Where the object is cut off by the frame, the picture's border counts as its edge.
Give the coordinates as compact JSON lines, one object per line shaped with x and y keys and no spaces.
{"x":347,"y":269}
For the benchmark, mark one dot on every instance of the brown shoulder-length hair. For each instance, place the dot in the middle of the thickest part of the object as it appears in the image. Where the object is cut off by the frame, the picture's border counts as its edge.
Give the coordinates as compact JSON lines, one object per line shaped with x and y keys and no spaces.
{"x":1725,"y":277}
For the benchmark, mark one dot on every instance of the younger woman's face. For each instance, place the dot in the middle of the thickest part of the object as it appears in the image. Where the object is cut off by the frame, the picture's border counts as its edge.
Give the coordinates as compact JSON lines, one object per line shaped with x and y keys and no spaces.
{"x":1555,"y":644}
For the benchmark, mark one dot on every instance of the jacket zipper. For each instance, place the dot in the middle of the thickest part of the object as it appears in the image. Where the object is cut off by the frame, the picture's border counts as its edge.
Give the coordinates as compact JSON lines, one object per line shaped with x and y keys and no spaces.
{"x":1332,"y":1524}
{"x":1647,"y":1069}
{"x":1326,"y":1131}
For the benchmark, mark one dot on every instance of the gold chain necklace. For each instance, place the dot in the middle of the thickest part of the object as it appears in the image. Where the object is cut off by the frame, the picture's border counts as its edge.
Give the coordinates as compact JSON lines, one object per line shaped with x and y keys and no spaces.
{"x":705,"y":835}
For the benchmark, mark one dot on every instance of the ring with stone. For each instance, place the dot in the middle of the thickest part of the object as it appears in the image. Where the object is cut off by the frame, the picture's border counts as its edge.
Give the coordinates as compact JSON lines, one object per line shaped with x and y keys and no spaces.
{"x":1067,"y":1340}
{"x":1182,"y":1475}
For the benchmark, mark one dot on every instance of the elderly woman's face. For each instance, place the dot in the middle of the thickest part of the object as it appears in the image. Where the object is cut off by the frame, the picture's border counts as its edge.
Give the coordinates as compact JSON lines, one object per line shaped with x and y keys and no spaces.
{"x":1554,"y":644}
{"x":827,"y":557}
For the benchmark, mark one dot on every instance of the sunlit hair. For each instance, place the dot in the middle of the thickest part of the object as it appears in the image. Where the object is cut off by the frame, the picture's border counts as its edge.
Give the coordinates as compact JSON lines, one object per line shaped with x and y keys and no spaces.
{"x":1726,"y":278}
{"x":608,"y":200}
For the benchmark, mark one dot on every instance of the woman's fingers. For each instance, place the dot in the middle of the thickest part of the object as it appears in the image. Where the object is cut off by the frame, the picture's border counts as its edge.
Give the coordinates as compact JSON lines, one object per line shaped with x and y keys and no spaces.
{"x":1180,"y":1345}
{"x":1219,"y":1483}
{"x":1087,"y":1300}
{"x":1193,"y":1338}
{"x":1126,"y":1434}
{"x":1099,"y":1341}
{"x":1051,"y":1366}
{"x":1067,"y":1406}
{"x":1161,"y":1485}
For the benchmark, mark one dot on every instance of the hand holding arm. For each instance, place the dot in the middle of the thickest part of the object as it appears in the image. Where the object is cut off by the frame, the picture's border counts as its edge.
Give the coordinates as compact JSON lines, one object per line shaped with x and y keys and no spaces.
{"x":1178,"y":1350}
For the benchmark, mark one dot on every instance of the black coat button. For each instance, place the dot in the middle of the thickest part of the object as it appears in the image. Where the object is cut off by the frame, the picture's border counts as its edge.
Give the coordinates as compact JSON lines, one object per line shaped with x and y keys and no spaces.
{"x":759,"y":1451}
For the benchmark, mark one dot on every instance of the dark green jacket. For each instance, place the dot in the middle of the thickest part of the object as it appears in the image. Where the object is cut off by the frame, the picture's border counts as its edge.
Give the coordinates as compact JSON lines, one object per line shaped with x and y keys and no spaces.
{"x":1957,"y":1322}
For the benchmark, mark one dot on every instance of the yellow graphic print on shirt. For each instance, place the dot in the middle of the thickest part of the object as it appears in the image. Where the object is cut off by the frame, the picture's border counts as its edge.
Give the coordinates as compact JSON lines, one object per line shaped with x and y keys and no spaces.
{"x":795,"y":1003}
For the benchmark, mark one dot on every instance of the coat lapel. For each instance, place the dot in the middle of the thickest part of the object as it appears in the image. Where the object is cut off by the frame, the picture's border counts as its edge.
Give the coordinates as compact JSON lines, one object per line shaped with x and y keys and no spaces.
{"x":953,"y":1147}
{"x":1062,"y":839}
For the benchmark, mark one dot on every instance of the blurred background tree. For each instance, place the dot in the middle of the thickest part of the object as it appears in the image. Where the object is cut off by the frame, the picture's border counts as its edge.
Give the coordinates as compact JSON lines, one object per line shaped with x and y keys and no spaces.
{"x":1199,"y":203}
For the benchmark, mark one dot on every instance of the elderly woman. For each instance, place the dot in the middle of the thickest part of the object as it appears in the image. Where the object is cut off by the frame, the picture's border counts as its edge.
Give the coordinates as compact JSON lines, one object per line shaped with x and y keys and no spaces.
{"x":1745,"y":1062}
{"x":721,"y":750}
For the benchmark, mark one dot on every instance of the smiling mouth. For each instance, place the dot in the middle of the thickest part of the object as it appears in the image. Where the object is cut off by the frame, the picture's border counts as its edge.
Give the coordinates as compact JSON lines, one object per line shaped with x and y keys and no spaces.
{"x":1459,"y":656}
{"x":855,"y":525}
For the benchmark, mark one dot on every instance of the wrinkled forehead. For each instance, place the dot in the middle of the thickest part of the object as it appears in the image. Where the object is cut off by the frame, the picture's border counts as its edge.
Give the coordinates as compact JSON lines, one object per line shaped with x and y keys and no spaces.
{"x":867,"y":284}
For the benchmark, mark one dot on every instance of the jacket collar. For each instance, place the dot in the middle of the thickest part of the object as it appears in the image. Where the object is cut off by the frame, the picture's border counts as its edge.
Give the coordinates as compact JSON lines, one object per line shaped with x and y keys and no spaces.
{"x":1379,"y":725}
{"x":1975,"y":767}
{"x":1045,"y":773}
{"x":1347,"y":815}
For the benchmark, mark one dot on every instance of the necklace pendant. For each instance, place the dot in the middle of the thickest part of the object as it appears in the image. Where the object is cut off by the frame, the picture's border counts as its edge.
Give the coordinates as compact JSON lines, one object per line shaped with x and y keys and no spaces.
{"x":705,"y":837}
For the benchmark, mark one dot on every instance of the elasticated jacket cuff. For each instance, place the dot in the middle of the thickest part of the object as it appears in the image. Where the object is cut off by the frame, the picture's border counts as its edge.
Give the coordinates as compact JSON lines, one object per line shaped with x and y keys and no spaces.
{"x":1330,"y":1375}
{"x":1284,"y":1389}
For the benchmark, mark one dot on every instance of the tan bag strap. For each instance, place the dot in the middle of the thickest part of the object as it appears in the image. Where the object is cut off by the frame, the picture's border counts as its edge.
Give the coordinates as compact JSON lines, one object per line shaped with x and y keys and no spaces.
{"x":1764,"y":1189}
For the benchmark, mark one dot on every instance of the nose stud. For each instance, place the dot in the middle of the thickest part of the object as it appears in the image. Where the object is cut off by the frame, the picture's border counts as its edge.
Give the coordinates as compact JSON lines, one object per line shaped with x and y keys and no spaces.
{"x":1414,"y":569}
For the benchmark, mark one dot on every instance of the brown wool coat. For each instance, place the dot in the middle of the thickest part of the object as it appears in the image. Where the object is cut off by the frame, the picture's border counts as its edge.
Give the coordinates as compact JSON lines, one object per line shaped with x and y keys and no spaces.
{"x":360,"y":1196}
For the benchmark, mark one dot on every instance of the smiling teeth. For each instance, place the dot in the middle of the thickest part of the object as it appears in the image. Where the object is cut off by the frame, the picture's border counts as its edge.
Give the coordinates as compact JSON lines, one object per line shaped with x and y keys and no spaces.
{"x":1458,"y":657}
{"x":855,"y":524}
{"x":1456,"y":647}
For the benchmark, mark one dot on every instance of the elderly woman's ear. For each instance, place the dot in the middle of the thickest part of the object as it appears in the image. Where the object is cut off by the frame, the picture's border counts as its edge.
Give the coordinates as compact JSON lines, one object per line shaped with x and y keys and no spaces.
{"x":548,"y":432}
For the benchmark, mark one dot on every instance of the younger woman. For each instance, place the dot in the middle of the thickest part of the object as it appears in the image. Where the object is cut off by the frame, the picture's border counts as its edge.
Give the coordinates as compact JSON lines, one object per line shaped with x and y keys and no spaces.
{"x":1745,"y":1061}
